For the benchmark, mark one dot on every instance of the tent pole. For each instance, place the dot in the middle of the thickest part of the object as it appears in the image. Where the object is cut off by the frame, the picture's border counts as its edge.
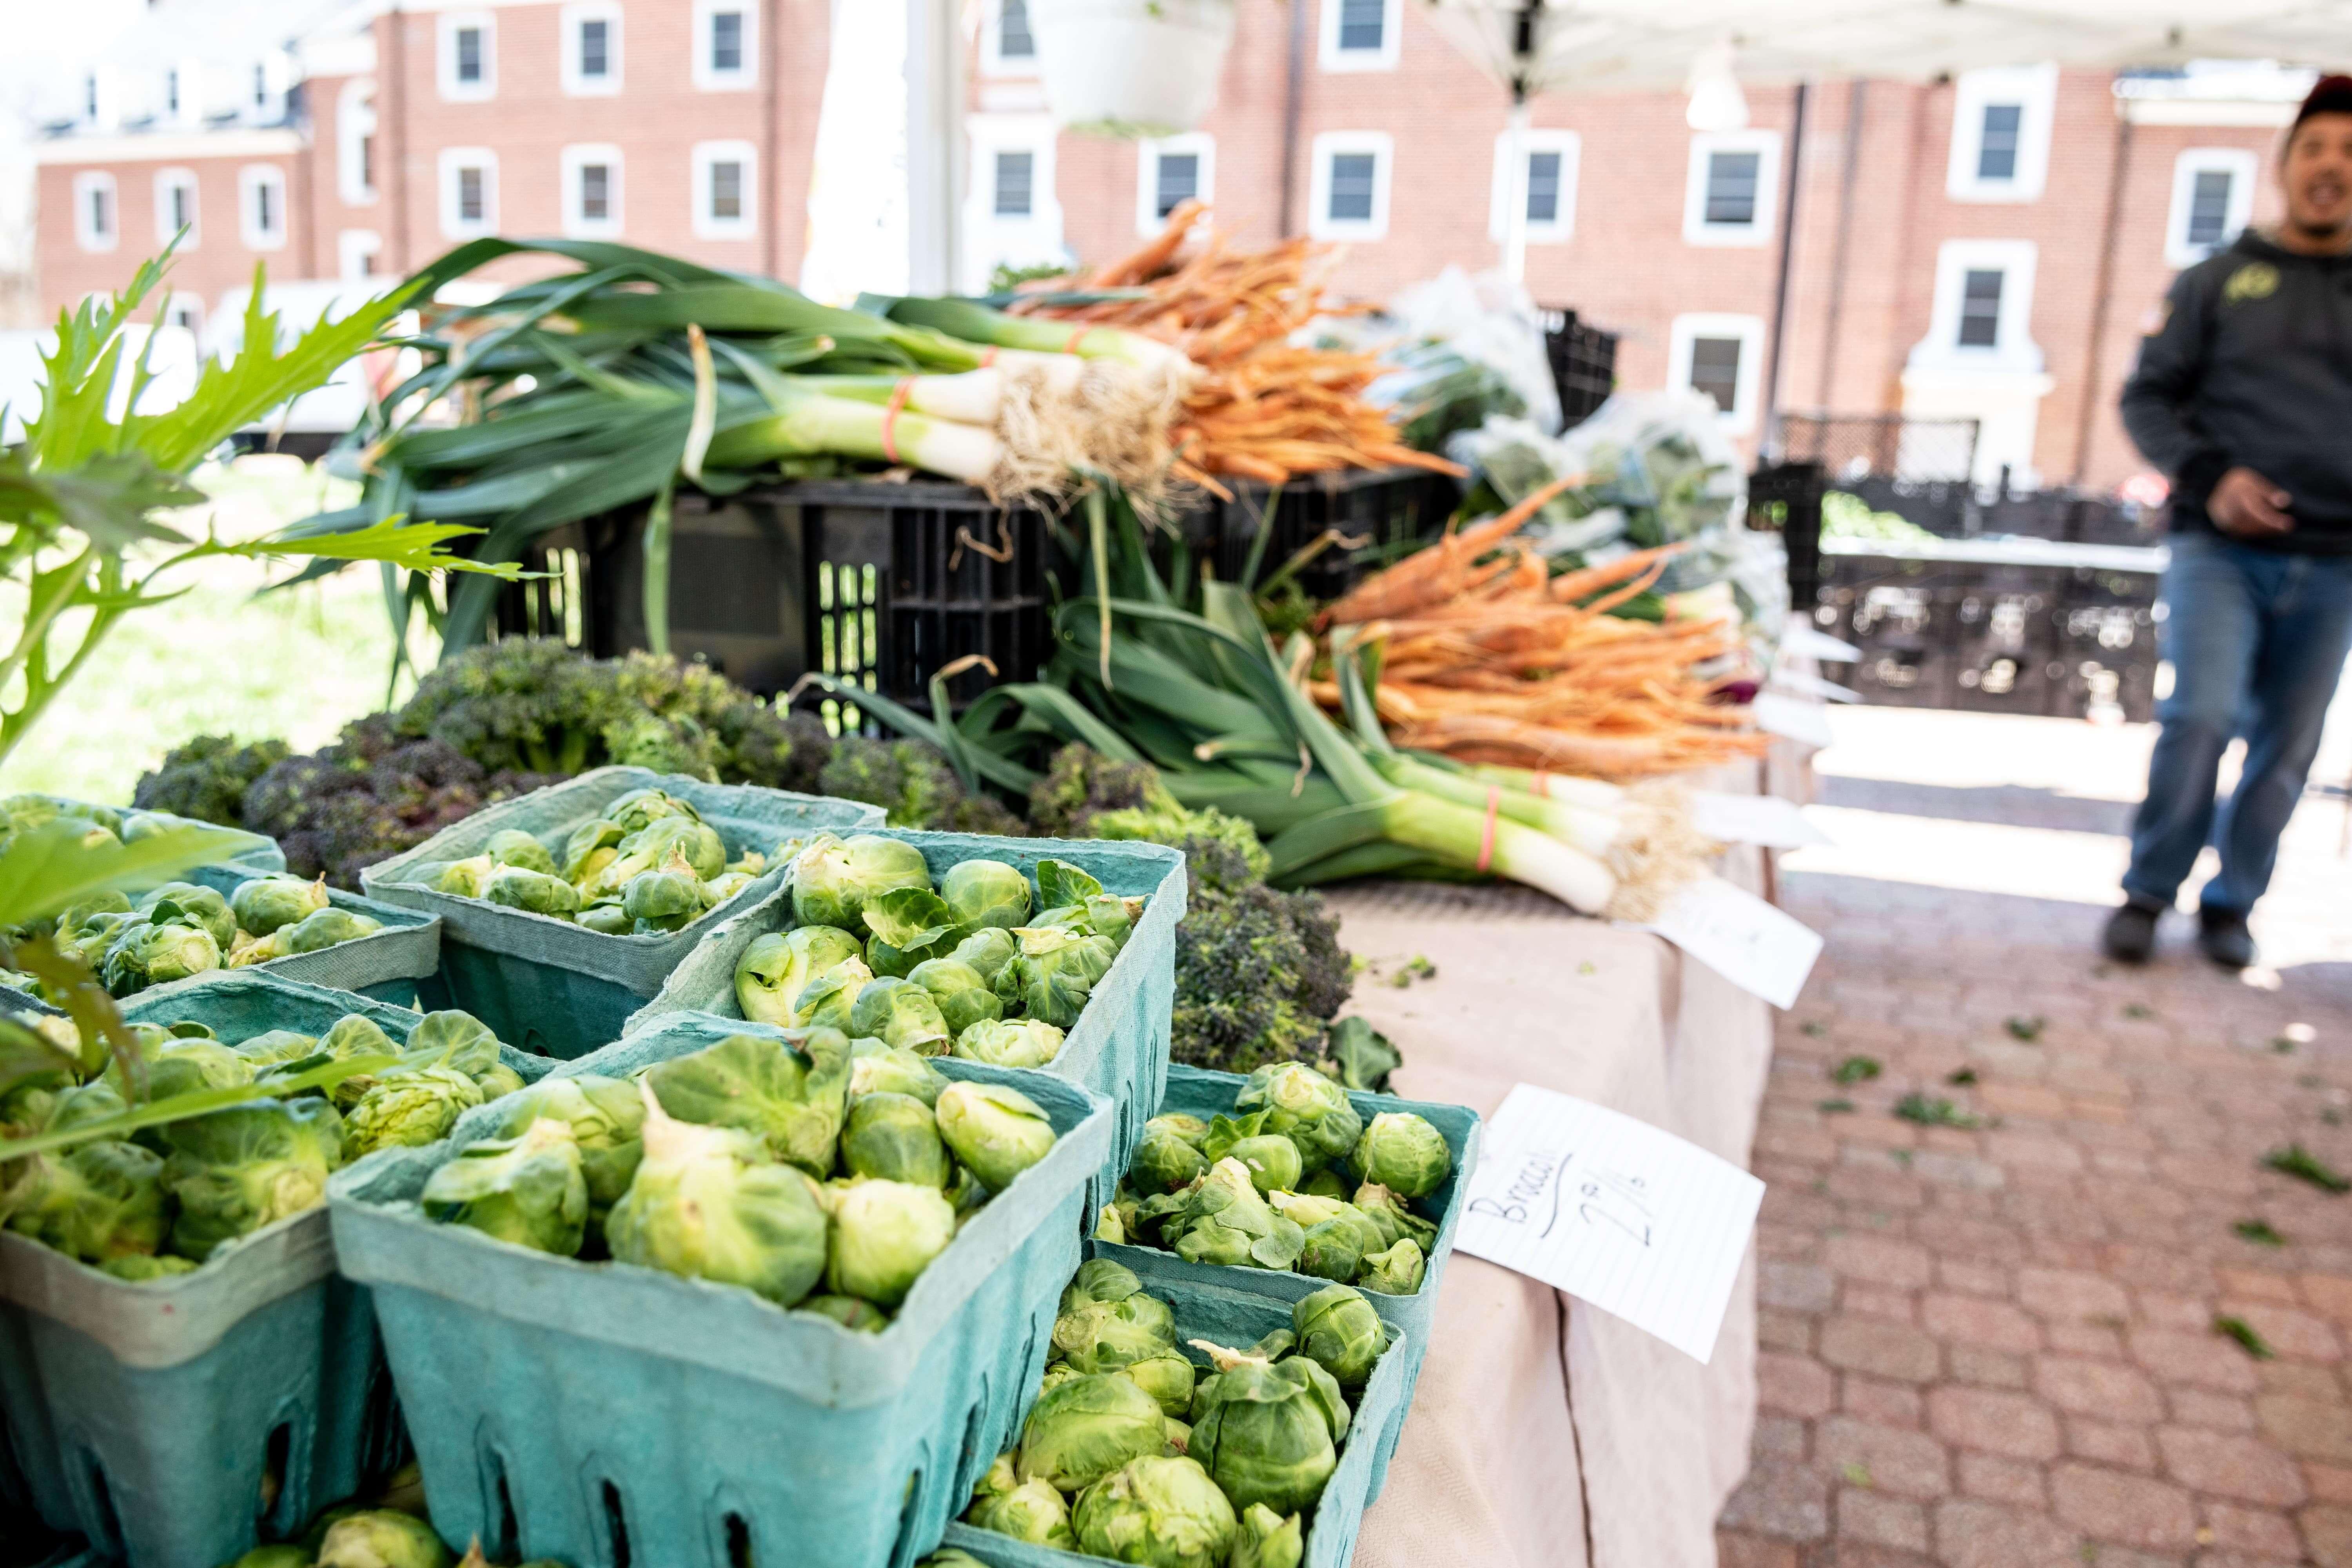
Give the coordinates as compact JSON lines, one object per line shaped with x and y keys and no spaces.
{"x":1515,"y":192}
{"x":1769,"y":440}
{"x":935,"y":100}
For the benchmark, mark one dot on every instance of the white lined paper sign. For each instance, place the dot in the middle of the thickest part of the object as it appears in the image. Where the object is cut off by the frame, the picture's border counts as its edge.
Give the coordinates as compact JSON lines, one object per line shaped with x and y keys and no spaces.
{"x":1765,"y":819}
{"x":1635,"y":1221}
{"x":1763,"y":950}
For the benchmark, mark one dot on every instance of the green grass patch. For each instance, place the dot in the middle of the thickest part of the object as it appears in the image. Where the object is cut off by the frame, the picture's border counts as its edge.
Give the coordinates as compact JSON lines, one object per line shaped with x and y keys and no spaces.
{"x":1917,"y":1107}
{"x":2243,"y":1332}
{"x":2300,"y":1162}
{"x":1856,"y":1070}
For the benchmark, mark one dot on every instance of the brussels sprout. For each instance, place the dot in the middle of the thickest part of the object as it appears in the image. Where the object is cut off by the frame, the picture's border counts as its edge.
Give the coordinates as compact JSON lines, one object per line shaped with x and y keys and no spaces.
{"x":772,"y":971}
{"x":1333,"y":1250}
{"x":81,"y":913}
{"x":910,"y":926}
{"x":1030,"y":1510}
{"x":1054,"y":973}
{"x":1311,"y":1209}
{"x":1086,"y":1426}
{"x":138,"y":1267}
{"x":382,"y":1538}
{"x":454,"y":1039}
{"x":1324,"y":1183}
{"x":1393,"y":1218}
{"x":1056,"y":1373}
{"x":144,"y":954}
{"x":607,"y":919}
{"x":702,"y":850}
{"x":185,"y":903}
{"x":1164,"y":1159}
{"x":640,"y":808}
{"x":1107,"y":1322}
{"x":885,"y":1234}
{"x":527,"y":1189}
{"x":409,"y":1108}
{"x":590,"y":848}
{"x":669,"y":898}
{"x":513,"y":847}
{"x":1164,"y":1512}
{"x":1059,"y":883}
{"x":1338,"y":1331}
{"x":1167,"y":1377}
{"x":1396,"y":1272}
{"x":248,"y":951}
{"x":706,"y":1203}
{"x":1267,"y":1539}
{"x":791,"y":1093}
{"x":94,"y":1202}
{"x":1010,"y":1042}
{"x":850,"y":1313}
{"x":1224,"y":1220}
{"x":997,"y":1132}
{"x":899,"y":1013}
{"x":986,"y":893}
{"x":497,"y":1083}
{"x":533,"y":893}
{"x":987,"y":952}
{"x":834,"y":878}
{"x":1224,"y":1132}
{"x":1304,"y":1107}
{"x":181,"y":1066}
{"x":605,"y":1115}
{"x":1273,"y":1162}
{"x":236,"y":1170}
{"x":964,"y":997}
{"x":877,"y":1068}
{"x":355,"y":1034}
{"x":827,"y":1001}
{"x":326,"y":927}
{"x":723,"y":887}
{"x":266,"y":903}
{"x":894,"y":1137}
{"x":1403,"y":1153}
{"x":464,"y":878}
{"x":1268,"y":1431}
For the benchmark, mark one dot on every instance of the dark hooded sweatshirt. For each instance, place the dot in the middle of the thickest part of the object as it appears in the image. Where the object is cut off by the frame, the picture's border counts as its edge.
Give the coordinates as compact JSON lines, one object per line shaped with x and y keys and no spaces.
{"x":2252,"y":365}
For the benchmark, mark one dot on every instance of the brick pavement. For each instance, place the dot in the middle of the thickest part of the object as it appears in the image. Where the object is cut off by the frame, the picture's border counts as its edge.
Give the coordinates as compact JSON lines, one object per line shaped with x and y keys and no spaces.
{"x":1993,"y":1344}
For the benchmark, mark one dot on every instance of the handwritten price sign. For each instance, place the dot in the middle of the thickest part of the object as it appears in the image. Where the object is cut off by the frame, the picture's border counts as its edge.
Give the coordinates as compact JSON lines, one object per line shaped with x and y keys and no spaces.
{"x":1635,"y":1221}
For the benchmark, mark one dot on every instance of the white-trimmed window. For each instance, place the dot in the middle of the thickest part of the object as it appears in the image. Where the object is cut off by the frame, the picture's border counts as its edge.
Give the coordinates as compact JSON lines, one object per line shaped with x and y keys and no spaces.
{"x":1170,"y":171}
{"x":1552,"y":158}
{"x":592,"y":191}
{"x":1360,"y":34}
{"x":1734,"y":178}
{"x":1722,"y":356}
{"x":726,"y":45}
{"x":469,"y":192}
{"x":1008,"y":44}
{"x":1012,"y":214}
{"x":2212,"y":200}
{"x":591,"y":49}
{"x":175,"y":206}
{"x":2001,"y":133}
{"x":359,"y":254}
{"x":1350,"y":193}
{"x":184,"y":92}
{"x":355,"y":143}
{"x":98,"y":216}
{"x":726,"y":189}
{"x":261,"y":206}
{"x":266,"y":81}
{"x":468,"y":55}
{"x":186,"y":312}
{"x":1984,"y":304}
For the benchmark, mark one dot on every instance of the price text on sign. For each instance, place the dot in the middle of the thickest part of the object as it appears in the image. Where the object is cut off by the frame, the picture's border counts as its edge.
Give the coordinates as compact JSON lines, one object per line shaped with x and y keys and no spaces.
{"x":1616,"y":1213}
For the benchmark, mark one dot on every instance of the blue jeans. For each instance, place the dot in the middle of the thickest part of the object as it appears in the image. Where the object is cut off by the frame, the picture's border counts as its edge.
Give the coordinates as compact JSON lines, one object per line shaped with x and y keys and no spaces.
{"x":2256,"y":640}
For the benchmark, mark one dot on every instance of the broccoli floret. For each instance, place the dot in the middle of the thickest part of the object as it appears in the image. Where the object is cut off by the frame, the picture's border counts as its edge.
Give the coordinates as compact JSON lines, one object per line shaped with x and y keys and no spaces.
{"x":910,"y":780}
{"x":207,"y":778}
{"x":1081,"y":782}
{"x":517,"y":704}
{"x":983,"y":814}
{"x":1240,"y":957}
{"x":1175,"y":826}
{"x":672,"y":745}
{"x":806,"y":745}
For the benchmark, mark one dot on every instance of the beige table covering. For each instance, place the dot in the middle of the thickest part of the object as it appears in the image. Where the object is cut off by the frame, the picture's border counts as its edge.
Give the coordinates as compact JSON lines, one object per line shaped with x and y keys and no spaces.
{"x":1545,"y":1433}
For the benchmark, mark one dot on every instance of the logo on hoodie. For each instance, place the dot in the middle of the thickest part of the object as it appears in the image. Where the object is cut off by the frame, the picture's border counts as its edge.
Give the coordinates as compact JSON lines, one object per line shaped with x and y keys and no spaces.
{"x":2255,"y":280}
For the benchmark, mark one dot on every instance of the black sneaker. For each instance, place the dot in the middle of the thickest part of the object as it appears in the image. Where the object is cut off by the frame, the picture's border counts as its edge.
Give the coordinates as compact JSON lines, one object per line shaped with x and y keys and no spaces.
{"x":2222,"y":936}
{"x":2130,"y":935}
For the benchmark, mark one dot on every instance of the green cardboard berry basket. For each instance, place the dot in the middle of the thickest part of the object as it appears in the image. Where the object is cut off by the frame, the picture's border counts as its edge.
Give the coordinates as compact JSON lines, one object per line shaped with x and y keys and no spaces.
{"x":1119,"y":1047}
{"x":1238,"y":1320}
{"x":547,"y":984}
{"x":1205,"y":1094}
{"x":144,"y":1416}
{"x":602,"y":1414}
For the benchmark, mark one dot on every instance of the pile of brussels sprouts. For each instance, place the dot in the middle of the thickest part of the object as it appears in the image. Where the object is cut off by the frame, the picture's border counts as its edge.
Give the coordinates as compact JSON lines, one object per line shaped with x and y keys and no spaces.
{"x":163,"y":1201}
{"x":1266,"y":1188}
{"x":23,"y":813}
{"x":964,"y":968}
{"x":818,"y":1172}
{"x":1136,"y":1452}
{"x":650,"y":864}
{"x":181,"y":930}
{"x":345,"y":1537}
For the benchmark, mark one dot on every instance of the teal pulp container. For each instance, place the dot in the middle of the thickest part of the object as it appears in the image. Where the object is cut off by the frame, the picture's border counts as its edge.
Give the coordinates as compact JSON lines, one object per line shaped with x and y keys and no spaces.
{"x":1238,"y":1320}
{"x":1206,"y":1094}
{"x":556,"y":988}
{"x":606,"y":1415}
{"x":145,"y":1416}
{"x":1120,"y":1048}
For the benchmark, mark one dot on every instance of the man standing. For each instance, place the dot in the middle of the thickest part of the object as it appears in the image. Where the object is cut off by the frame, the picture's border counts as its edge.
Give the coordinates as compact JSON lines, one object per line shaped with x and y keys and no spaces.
{"x":2244,"y":395}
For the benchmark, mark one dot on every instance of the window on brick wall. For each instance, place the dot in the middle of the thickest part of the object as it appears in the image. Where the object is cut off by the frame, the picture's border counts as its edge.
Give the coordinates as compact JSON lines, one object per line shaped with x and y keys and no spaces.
{"x":725,"y":46}
{"x":468,"y":50}
{"x":1013,"y":188}
{"x":359,"y":254}
{"x":172,"y":94}
{"x":591,"y":49}
{"x":2001,"y":133}
{"x":1733,"y":180}
{"x":96,"y":218}
{"x":1008,"y":44}
{"x":2212,"y":201}
{"x":355,"y":143}
{"x":592,"y":191}
{"x":185,"y":311}
{"x":1720,"y":356}
{"x":1980,"y":319}
{"x":1350,"y":199}
{"x":175,"y":206}
{"x":1552,"y":160}
{"x":725,"y":199}
{"x":261,"y":206}
{"x":1168,"y":171}
{"x":1984,"y":297}
{"x":1359,"y":35}
{"x":469,"y":192}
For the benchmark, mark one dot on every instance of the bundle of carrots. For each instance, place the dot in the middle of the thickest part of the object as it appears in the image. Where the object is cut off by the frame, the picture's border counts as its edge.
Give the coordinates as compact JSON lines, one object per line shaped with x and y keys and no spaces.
{"x":1486,"y":658}
{"x":1262,"y":408}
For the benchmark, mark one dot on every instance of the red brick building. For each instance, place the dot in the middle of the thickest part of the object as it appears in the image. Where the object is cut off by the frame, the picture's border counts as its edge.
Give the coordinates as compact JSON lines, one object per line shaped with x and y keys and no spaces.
{"x":1984,"y":249}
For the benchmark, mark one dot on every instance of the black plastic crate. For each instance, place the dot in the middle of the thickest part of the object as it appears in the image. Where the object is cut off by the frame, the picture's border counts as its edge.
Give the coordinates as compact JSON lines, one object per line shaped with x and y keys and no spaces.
{"x":1583,"y":362}
{"x":878,"y":583}
{"x":1786,"y":499}
{"x":1377,"y":516}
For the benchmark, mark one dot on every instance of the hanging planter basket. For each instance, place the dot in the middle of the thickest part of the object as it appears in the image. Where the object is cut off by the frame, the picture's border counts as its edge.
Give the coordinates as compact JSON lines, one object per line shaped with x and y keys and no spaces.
{"x":1131,"y":67}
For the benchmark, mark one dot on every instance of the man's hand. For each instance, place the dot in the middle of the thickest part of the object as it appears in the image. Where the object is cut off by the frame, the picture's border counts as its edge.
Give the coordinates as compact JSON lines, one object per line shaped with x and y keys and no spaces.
{"x":2249,"y":506}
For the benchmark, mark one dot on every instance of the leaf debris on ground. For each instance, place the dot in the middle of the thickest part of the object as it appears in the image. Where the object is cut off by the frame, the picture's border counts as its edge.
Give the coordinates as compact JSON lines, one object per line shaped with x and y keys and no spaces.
{"x":2243,"y":1332}
{"x":2300,"y":1162}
